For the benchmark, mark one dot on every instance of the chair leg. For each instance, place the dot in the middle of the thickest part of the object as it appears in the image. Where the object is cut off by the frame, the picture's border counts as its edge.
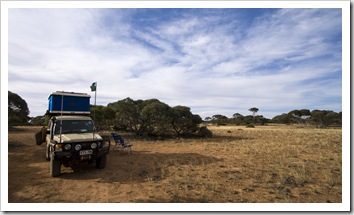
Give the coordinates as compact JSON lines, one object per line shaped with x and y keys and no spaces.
{"x":117,"y":148}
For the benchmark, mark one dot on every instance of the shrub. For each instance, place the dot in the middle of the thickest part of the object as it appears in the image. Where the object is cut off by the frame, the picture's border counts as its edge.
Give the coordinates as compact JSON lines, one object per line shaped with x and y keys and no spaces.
{"x":204,"y":132}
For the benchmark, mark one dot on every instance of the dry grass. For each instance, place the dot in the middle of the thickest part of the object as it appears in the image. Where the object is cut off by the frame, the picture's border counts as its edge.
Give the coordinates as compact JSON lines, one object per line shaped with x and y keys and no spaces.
{"x":264,"y":164}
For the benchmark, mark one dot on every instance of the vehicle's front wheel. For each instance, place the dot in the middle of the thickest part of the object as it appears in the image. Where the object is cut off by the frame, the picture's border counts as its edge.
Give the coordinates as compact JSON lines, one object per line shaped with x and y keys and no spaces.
{"x":101,"y":162}
{"x":55,"y":166}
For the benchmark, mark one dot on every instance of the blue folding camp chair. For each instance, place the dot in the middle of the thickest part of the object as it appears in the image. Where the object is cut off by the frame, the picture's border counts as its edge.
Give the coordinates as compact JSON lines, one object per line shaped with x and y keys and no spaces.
{"x":120,"y":143}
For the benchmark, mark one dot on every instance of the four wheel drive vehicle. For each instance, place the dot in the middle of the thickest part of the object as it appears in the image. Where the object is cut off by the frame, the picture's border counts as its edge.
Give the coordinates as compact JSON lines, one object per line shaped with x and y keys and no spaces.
{"x":71,"y":137}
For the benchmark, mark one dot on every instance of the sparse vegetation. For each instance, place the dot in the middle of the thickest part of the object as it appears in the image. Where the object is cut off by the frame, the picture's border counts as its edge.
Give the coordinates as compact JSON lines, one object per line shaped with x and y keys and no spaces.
{"x":274,"y":163}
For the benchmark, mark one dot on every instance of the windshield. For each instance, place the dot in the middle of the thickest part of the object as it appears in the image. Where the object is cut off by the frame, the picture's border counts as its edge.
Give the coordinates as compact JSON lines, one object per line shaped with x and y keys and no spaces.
{"x":74,"y":126}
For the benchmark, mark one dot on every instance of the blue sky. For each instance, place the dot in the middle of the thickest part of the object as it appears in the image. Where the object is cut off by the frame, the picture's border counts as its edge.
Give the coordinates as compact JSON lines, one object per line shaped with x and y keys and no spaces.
{"x":216,"y":61}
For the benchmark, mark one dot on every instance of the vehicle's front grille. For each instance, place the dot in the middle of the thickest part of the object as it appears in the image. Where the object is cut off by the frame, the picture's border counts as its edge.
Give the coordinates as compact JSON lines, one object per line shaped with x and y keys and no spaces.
{"x":86,"y":145}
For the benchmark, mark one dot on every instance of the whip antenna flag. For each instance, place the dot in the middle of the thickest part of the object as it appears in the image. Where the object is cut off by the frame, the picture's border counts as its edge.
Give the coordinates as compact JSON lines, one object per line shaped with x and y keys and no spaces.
{"x":93,"y":86}
{"x":94,"y":89}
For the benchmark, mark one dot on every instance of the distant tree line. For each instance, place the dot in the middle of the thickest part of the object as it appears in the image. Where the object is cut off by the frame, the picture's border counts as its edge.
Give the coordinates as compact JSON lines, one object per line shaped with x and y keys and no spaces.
{"x":154,"y":118}
{"x":239,"y":119}
{"x":318,"y":118}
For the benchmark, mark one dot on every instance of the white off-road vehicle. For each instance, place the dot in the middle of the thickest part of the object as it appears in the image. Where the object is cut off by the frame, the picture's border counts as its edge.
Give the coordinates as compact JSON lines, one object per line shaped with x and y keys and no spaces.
{"x":72,"y":139}
{"x":71,"y":136}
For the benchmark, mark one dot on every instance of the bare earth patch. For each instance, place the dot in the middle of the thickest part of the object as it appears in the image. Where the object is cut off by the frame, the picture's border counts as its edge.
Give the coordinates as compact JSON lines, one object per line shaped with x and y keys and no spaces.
{"x":265,"y":164}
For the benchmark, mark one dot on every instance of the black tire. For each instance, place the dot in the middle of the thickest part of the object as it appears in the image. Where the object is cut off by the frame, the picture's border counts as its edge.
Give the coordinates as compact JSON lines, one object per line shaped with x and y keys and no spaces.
{"x":55,"y":166}
{"x":101,"y":162}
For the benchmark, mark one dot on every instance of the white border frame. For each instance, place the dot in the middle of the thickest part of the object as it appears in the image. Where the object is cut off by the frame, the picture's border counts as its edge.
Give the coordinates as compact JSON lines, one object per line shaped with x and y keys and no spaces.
{"x":344,"y":206}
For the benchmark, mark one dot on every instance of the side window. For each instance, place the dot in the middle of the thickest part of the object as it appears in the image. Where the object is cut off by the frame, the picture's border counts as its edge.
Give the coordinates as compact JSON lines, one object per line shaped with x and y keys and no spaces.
{"x":55,"y":128}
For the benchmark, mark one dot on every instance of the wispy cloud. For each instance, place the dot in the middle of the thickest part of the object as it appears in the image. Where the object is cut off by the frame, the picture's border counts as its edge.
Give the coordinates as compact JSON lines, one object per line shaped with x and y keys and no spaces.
{"x":216,"y":61}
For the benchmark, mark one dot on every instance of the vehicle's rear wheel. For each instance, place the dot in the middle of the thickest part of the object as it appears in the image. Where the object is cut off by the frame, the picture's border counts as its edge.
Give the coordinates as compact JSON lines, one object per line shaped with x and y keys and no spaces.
{"x":55,"y":166}
{"x":101,"y":162}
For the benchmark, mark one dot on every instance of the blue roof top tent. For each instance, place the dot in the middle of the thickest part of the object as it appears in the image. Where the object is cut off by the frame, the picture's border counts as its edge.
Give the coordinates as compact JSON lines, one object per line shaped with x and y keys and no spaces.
{"x":73,"y":103}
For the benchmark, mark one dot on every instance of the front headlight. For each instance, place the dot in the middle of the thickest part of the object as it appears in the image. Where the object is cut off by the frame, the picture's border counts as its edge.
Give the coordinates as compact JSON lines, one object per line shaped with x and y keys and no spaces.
{"x":67,"y":147}
{"x":93,"y":145}
{"x":77,"y":147}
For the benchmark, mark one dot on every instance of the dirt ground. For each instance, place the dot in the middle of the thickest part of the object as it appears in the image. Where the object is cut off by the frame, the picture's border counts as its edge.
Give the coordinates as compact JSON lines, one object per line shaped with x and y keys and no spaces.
{"x":268,"y":164}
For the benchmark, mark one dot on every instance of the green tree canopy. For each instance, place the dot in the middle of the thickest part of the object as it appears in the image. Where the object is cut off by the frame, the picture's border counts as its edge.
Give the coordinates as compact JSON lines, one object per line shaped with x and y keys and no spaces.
{"x":299,"y":116}
{"x":283,"y":119}
{"x":127,"y":114}
{"x":320,"y":118}
{"x":236,"y":115}
{"x":324,"y":118}
{"x":153,"y":117}
{"x":17,"y":110}
{"x":254,"y":110}
{"x":238,"y":119}
{"x":219,"y":119}
{"x":103,"y":116}
{"x":183,"y":121}
{"x":38,"y":120}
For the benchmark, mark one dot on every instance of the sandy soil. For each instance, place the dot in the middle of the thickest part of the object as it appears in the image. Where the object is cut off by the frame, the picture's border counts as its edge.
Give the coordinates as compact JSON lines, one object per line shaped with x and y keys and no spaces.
{"x":123,"y":179}
{"x":237,"y":165}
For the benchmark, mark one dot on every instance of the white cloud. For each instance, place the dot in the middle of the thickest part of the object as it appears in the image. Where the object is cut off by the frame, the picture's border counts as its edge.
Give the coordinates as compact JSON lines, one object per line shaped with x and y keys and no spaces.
{"x":213,"y":65}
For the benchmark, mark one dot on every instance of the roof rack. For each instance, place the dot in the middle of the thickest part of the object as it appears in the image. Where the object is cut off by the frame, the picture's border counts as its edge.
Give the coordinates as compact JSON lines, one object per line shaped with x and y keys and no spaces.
{"x":68,"y":103}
